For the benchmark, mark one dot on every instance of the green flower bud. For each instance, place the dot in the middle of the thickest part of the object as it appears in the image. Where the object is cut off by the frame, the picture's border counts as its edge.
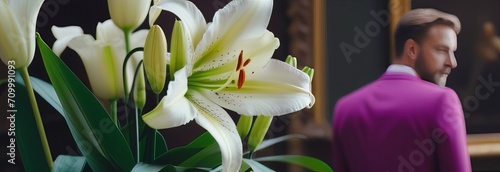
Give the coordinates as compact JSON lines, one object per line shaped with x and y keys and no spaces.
{"x":258,"y":132}
{"x":177,"y":49}
{"x":244,"y":125}
{"x":140,"y":89}
{"x":155,"y":58}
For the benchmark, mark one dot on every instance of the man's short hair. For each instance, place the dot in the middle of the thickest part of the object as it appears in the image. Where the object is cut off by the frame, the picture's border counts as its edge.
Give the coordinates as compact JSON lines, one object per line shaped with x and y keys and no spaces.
{"x":416,"y":23}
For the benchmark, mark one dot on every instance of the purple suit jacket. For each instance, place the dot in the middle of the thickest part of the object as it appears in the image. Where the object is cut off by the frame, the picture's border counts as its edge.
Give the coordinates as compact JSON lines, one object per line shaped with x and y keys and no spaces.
{"x":400,"y":123}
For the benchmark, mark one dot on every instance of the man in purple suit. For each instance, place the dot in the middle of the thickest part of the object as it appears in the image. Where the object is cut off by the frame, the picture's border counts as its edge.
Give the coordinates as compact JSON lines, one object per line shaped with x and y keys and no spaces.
{"x":406,"y":121}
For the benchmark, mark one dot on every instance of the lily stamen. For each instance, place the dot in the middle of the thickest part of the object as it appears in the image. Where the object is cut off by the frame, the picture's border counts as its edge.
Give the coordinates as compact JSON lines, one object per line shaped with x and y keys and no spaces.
{"x":246,"y":62}
{"x":239,"y":67}
{"x":240,"y":58}
{"x":241,"y":78}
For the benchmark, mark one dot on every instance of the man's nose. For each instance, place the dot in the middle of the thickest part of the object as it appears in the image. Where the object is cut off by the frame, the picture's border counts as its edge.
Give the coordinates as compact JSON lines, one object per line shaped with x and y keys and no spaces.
{"x":452,"y":61}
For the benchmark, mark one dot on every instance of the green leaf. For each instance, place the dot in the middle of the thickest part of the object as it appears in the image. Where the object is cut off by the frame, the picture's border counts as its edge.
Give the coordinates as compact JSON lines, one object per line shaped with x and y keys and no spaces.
{"x":26,"y":133}
{"x":160,"y":145}
{"x":304,"y":161}
{"x":45,"y":90}
{"x":176,"y":156}
{"x":209,"y":157}
{"x":140,"y":167}
{"x":154,"y":145}
{"x":244,"y":167}
{"x":190,"y":156}
{"x":69,"y":163}
{"x":100,"y":141}
{"x":256,"y":166}
{"x":151,"y":167}
{"x":270,"y":142}
{"x":203,"y":140}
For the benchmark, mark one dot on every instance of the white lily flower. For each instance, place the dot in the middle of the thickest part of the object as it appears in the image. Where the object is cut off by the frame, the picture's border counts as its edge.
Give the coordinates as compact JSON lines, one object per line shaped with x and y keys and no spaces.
{"x":17,"y":31}
{"x":154,"y":12}
{"x":102,"y":57}
{"x":128,"y":14}
{"x":228,"y":64}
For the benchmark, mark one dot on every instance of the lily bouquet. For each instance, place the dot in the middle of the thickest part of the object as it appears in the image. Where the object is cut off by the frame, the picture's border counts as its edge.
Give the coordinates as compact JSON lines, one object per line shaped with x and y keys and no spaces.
{"x":210,"y":68}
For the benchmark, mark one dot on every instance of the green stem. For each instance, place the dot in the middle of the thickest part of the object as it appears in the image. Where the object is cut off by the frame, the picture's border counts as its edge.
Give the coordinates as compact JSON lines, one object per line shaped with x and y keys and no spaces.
{"x":149,"y":156}
{"x":154,"y":144}
{"x":127,"y":39}
{"x":125,"y":81}
{"x":114,"y":115}
{"x":137,"y":110}
{"x":127,"y":49}
{"x":133,"y":137}
{"x":134,"y":146}
{"x":248,"y":155}
{"x":38,"y":118}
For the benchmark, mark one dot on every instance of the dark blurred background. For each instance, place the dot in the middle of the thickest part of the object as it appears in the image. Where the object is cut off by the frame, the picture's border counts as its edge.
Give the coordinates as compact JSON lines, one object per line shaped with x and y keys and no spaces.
{"x":293,"y":23}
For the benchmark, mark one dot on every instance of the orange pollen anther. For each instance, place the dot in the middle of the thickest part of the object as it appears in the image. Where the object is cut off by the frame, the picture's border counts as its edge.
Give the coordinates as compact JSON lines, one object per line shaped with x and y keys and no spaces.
{"x":240,"y":58}
{"x":246,"y":62}
{"x":241,"y":78}
{"x":241,"y":64}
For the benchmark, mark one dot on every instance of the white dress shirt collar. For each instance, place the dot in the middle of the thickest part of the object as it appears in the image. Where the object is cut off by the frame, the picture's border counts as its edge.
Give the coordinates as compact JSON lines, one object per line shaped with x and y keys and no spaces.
{"x":399,"y":68}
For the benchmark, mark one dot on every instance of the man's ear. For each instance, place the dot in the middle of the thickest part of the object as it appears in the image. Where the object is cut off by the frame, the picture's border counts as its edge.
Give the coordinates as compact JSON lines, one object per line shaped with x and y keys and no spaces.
{"x":411,"y":49}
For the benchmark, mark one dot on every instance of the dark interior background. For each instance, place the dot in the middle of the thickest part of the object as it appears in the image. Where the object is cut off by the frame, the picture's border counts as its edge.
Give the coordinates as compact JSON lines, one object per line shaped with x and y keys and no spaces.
{"x":343,"y":19}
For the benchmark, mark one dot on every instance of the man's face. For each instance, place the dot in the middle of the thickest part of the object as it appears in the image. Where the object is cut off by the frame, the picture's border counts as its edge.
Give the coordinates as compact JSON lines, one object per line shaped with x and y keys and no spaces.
{"x":436,"y":57}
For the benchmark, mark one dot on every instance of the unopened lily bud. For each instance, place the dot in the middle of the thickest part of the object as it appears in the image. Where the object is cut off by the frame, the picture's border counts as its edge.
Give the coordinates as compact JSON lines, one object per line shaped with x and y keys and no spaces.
{"x":17,"y":31}
{"x":244,"y":125}
{"x":259,"y":130}
{"x":309,"y":71}
{"x":128,"y":14}
{"x":177,"y":49}
{"x":155,"y":58}
{"x":291,"y":60}
{"x":140,"y":89}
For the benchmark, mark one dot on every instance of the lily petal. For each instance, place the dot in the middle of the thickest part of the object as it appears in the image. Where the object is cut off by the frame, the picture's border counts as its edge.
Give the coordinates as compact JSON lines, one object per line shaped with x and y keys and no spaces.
{"x":259,"y":50}
{"x":11,"y":36}
{"x":220,"y":125}
{"x":238,"y":20}
{"x":64,"y":35}
{"x":191,"y":17}
{"x":25,"y":12}
{"x":138,"y":38}
{"x":174,"y":109}
{"x":97,"y":68}
{"x":277,"y":89}
{"x":18,"y":24}
{"x":107,"y":33}
{"x":154,"y":12}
